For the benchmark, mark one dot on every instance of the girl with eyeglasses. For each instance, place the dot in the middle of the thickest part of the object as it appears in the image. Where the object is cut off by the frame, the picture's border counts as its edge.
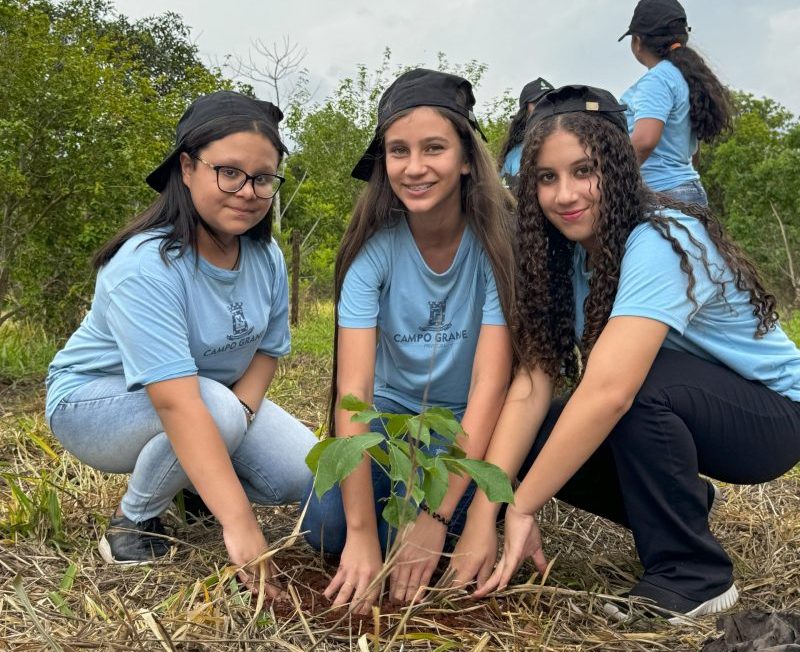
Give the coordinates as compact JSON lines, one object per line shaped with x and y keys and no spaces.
{"x":166,"y":376}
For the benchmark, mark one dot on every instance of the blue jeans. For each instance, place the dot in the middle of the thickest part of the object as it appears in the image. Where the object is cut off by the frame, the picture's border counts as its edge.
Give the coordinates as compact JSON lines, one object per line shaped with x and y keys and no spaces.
{"x":325,"y":524}
{"x":691,"y":192}
{"x":114,"y":430}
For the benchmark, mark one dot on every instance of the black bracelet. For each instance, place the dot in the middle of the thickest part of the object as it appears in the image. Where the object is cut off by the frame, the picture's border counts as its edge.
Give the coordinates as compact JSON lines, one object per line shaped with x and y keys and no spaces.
{"x":444,"y":521}
{"x":248,"y":411}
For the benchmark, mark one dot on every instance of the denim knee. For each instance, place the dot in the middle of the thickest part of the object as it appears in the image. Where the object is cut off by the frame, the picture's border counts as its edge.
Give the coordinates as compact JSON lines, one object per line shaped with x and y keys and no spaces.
{"x":226,"y":411}
{"x":324,"y":524}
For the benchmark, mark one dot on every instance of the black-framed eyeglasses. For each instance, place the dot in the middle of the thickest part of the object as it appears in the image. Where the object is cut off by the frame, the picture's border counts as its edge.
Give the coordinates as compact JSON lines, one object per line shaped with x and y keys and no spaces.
{"x":231,"y":179}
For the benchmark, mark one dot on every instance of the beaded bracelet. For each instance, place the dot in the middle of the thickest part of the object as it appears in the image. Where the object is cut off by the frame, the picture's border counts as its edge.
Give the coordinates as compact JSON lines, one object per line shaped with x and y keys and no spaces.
{"x":248,"y":412}
{"x":444,"y":521}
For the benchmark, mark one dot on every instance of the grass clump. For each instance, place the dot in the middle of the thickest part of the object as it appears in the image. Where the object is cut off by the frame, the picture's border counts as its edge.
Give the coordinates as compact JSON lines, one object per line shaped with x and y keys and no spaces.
{"x":25,"y":350}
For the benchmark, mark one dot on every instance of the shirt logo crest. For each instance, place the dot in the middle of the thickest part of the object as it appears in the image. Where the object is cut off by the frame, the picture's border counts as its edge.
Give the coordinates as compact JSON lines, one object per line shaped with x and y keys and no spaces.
{"x":240,"y":326}
{"x":436,"y":317}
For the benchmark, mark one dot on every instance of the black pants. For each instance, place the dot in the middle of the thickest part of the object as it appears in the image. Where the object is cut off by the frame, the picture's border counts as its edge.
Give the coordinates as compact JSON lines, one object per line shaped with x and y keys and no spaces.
{"x":690,"y":416}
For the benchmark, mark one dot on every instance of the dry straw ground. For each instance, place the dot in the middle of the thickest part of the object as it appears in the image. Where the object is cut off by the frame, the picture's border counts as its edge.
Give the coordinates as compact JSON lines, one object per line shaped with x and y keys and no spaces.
{"x":57,"y":594}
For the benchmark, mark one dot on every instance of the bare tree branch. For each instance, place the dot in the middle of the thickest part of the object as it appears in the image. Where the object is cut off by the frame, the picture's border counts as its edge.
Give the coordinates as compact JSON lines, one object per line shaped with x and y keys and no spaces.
{"x":791,"y":274}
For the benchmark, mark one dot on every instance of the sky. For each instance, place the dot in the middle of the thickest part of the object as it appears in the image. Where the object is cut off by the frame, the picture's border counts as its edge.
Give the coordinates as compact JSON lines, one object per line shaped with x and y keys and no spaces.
{"x":751,"y":46}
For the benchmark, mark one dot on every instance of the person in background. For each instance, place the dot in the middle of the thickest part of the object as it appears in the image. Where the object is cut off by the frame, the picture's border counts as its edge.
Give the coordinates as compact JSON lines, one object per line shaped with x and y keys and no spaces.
{"x":424,"y":290}
{"x":511,"y":151}
{"x":676,"y":103}
{"x":166,"y":375}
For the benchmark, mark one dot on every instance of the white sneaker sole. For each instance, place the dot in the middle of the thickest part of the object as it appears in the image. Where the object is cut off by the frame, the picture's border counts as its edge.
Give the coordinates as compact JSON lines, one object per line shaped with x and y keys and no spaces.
{"x":722,"y":602}
{"x":105,"y":552}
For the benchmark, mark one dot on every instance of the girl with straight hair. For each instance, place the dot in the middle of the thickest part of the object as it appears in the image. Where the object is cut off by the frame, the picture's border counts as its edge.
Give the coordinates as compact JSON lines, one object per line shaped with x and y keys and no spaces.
{"x":676,"y":103}
{"x":674,"y":350}
{"x":424,"y":287}
{"x":165,"y":378}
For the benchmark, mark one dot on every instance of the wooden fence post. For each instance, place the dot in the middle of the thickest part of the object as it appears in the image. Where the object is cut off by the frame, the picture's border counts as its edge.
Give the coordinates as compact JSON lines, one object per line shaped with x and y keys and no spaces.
{"x":295,"y":277}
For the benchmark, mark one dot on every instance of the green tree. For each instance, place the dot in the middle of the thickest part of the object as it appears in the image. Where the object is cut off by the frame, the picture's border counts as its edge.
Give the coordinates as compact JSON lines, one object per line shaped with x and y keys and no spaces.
{"x":87,"y":114}
{"x":753,"y":180}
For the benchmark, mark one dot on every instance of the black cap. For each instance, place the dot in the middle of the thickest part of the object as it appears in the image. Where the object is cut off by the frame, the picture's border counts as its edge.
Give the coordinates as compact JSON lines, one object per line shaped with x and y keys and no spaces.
{"x":586,"y":99}
{"x":418,"y":87}
{"x":532,"y":91}
{"x":658,"y":18}
{"x":222,"y":104}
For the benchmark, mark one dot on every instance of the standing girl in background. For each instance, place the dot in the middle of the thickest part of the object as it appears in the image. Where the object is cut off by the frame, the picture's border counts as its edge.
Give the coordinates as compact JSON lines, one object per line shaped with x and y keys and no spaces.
{"x":683,"y":369}
{"x":511,"y":151}
{"x":166,"y":376}
{"x":676,"y":103}
{"x":424,"y":285}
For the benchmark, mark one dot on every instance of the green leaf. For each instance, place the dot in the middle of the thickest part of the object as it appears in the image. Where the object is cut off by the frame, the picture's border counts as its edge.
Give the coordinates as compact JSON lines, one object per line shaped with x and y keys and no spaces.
{"x":365,"y":416}
{"x":340,"y":458}
{"x":490,"y":478}
{"x":434,"y":483}
{"x":312,"y":459}
{"x":398,"y":511}
{"x":69,"y":578}
{"x":399,"y":463}
{"x":418,"y":430}
{"x":378,"y":454}
{"x":353,"y":404}
{"x":397,"y":424}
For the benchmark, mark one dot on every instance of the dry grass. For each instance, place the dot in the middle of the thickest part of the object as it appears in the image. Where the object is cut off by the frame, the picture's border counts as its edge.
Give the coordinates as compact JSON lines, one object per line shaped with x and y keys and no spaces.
{"x":56,"y":593}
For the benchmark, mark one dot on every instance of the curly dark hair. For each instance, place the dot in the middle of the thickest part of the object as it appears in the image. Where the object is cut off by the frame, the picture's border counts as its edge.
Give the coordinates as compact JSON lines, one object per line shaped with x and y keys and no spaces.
{"x":710,"y":104}
{"x":545,"y":326}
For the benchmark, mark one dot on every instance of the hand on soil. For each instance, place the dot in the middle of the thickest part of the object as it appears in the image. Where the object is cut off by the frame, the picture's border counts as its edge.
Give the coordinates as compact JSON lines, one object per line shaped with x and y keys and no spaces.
{"x":360,"y":563}
{"x":475,"y":553}
{"x":420,"y":548}
{"x":522,"y":541}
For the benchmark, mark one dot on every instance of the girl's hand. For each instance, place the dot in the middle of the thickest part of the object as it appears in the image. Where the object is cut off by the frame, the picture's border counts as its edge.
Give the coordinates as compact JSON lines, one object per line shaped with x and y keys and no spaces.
{"x":476,"y":551}
{"x":421,"y":546}
{"x":360,"y":563}
{"x":522,"y":541}
{"x":245,"y":542}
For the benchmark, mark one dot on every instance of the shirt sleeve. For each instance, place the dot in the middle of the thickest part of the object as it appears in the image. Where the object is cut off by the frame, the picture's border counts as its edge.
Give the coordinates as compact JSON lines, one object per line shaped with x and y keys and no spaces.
{"x":652,"y":283}
{"x":147,"y":318}
{"x":492,"y":308}
{"x":653,"y":98}
{"x":277,"y":341}
{"x":359,"y":301}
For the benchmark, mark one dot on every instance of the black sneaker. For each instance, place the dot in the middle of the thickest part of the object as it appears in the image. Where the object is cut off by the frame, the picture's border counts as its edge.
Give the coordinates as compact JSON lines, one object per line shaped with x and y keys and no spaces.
{"x":195,"y":509}
{"x":131,"y":543}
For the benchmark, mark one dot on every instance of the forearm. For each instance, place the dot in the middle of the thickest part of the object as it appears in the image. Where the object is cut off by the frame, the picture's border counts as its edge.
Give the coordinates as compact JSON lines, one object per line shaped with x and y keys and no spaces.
{"x":203,"y":456}
{"x":483,"y":408}
{"x":587,"y":419}
{"x":253,"y":384}
{"x":523,"y":413}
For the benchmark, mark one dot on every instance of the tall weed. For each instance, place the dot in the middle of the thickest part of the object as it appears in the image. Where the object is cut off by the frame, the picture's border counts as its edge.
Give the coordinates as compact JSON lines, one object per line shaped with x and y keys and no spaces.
{"x":25,"y":350}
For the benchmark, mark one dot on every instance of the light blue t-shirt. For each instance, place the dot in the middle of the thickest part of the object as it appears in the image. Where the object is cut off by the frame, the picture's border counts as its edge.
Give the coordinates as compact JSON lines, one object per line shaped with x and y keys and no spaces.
{"x":652,"y":285}
{"x":428,"y":323}
{"x":662,"y":93}
{"x":512,"y":162}
{"x":152,"y":322}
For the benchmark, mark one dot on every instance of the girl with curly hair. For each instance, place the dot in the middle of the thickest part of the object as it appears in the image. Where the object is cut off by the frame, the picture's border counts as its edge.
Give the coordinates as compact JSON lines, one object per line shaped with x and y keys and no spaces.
{"x":424,"y":287}
{"x":676,"y":103}
{"x":671,"y":343}
{"x":511,"y":151}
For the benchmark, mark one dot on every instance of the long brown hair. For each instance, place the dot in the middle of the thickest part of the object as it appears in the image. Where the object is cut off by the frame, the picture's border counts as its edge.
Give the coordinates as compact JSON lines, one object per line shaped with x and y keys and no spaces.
{"x":486,"y":204}
{"x":710,"y":105}
{"x":545,"y":330}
